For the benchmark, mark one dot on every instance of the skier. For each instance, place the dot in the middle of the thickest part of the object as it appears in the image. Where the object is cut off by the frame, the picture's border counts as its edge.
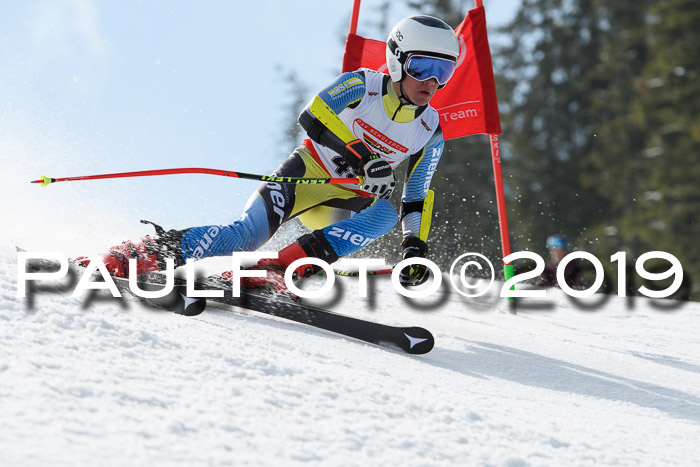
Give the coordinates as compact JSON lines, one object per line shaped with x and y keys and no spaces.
{"x":559,"y":246}
{"x":363,"y":124}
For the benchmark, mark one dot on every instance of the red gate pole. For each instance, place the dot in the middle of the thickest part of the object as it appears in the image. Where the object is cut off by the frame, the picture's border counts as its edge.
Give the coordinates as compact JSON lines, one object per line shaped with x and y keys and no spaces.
{"x":500,"y":198}
{"x":355,"y":16}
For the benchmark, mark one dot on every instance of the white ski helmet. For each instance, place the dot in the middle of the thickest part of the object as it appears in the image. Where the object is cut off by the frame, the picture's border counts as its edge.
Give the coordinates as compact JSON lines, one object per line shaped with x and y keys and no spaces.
{"x":419,"y":35}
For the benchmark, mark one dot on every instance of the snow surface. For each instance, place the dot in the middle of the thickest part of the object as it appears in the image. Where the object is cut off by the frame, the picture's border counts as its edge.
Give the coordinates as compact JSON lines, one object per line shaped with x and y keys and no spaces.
{"x":109,"y":382}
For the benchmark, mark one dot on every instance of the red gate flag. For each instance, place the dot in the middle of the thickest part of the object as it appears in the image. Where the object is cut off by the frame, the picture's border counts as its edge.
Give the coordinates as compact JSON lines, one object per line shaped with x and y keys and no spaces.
{"x":468,"y":104}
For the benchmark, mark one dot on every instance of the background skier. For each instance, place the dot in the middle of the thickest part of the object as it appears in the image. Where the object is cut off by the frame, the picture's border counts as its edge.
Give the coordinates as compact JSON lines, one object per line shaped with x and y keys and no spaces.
{"x":559,"y":246}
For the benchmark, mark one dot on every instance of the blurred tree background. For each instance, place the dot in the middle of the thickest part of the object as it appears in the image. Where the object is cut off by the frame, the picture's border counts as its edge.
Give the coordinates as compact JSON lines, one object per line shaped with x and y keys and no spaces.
{"x":599,"y":106}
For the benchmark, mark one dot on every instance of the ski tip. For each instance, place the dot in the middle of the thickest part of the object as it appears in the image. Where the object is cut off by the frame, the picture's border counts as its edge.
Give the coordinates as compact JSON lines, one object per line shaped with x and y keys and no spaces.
{"x":185,"y":305}
{"x":418,"y":341}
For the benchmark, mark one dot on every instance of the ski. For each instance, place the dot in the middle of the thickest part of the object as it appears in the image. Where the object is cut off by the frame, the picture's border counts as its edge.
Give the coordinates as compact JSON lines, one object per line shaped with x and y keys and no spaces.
{"x":176,"y":300}
{"x":413,"y":340}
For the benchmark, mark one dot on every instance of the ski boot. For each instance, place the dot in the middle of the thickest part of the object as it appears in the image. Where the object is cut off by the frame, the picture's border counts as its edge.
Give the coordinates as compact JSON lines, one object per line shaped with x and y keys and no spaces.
{"x":312,"y":245}
{"x":150,"y":253}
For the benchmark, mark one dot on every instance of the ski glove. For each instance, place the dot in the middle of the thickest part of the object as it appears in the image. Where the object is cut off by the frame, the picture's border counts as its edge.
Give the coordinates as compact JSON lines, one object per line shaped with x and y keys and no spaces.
{"x":379,"y":179}
{"x":378,"y":176}
{"x":415,"y":274}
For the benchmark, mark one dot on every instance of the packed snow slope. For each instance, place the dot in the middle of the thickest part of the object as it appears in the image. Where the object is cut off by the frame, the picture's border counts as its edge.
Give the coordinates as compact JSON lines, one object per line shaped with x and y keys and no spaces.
{"x":109,"y":382}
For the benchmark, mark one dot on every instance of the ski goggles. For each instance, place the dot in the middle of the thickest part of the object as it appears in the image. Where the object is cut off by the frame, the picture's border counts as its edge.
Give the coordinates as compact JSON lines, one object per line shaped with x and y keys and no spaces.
{"x":423,"y":67}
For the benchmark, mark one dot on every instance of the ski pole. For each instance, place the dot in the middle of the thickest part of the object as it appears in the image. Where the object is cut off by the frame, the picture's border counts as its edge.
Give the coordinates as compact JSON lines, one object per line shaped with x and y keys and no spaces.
{"x":341,"y":272}
{"x":190,"y":170}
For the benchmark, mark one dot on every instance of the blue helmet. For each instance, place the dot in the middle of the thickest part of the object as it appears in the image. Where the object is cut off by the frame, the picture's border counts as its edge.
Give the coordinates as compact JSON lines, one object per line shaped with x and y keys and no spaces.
{"x":560,"y":242}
